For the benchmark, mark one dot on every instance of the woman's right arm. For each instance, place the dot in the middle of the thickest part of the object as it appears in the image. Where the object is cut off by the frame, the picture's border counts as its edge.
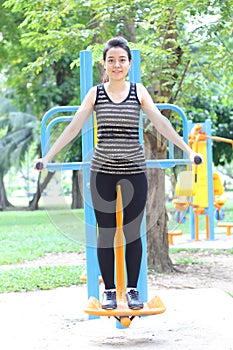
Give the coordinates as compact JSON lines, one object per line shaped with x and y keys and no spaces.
{"x":72,"y":129}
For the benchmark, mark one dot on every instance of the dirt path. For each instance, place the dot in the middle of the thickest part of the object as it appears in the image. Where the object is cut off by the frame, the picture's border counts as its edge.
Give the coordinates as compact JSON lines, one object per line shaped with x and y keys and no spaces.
{"x":201,"y":269}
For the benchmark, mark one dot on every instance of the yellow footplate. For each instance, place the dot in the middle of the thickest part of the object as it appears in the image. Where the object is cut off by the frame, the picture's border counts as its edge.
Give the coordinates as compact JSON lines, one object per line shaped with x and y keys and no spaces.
{"x":122,"y":312}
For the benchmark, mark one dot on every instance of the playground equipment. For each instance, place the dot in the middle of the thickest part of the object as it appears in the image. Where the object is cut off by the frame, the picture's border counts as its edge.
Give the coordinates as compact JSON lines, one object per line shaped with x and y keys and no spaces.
{"x":200,"y":190}
{"x":93,"y":309}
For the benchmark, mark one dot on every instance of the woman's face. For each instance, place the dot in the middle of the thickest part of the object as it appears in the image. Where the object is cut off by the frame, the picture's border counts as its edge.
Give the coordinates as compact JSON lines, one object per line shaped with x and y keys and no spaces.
{"x":117,"y":63}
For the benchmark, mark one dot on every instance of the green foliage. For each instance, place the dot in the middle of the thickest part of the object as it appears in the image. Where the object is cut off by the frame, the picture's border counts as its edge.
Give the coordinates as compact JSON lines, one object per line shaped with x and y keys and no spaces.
{"x":36,"y":61}
{"x":52,"y":28}
{"x":221,"y":116}
{"x":192,"y":32}
{"x":195,"y":29}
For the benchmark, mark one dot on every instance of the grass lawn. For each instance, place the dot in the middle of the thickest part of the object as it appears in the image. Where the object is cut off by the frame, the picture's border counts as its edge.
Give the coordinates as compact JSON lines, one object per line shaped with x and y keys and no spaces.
{"x":28,"y":235}
{"x":43,"y":278}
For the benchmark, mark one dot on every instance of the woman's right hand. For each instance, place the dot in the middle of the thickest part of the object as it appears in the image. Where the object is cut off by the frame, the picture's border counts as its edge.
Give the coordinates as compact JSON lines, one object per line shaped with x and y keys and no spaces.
{"x":196,"y":158}
{"x":40,"y":164}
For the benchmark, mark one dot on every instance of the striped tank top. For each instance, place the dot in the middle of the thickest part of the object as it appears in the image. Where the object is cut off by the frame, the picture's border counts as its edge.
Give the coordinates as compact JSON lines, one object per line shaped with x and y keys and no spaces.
{"x":118,"y":150}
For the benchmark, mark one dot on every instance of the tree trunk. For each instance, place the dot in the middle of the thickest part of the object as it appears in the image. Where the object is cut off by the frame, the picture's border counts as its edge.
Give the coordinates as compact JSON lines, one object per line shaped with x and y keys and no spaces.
{"x":77,"y":189}
{"x":33,"y":205}
{"x":156,"y":147}
{"x":4,"y":203}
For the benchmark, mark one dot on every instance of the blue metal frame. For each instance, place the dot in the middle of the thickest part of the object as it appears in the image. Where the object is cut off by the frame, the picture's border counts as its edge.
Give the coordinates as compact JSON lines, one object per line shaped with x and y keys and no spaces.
{"x":86,"y":82}
{"x":135,"y":76}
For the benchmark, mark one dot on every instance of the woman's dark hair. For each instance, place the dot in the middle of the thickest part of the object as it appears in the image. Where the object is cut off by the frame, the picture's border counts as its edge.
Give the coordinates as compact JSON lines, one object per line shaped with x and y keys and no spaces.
{"x":117,"y":42}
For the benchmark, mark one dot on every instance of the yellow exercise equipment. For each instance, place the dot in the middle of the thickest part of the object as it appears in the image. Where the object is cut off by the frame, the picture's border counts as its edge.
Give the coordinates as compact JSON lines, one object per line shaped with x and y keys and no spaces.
{"x":195,"y":184}
{"x":122,"y":313}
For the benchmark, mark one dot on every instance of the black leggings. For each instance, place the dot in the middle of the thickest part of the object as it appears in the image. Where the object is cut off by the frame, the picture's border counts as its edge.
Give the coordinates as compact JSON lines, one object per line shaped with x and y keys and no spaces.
{"x":134,"y":195}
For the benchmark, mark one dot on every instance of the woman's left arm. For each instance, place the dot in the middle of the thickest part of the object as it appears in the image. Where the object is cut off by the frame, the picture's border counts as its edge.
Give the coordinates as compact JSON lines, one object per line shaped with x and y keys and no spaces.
{"x":161,"y":123}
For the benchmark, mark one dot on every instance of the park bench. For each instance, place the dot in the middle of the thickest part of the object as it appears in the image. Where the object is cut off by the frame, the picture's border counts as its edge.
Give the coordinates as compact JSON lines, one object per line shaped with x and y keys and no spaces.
{"x":228,"y":226}
{"x":171,"y":234}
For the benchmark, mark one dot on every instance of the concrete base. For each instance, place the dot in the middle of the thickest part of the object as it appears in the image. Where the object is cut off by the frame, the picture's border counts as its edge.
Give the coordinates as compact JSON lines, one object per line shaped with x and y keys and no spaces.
{"x":199,"y":319}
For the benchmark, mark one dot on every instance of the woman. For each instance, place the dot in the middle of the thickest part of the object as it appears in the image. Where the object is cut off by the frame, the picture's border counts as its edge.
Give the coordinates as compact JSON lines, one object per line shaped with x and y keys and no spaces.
{"x":118,"y":159}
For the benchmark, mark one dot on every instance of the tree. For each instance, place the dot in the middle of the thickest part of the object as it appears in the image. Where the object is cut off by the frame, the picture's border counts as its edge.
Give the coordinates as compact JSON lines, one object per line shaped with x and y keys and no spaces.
{"x":176,"y":57}
{"x":40,"y":79}
{"x":183,"y":45}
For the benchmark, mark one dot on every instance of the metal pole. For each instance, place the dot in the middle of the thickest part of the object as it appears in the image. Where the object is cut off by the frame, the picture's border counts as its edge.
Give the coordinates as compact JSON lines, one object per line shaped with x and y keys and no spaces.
{"x":86,"y":82}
